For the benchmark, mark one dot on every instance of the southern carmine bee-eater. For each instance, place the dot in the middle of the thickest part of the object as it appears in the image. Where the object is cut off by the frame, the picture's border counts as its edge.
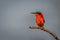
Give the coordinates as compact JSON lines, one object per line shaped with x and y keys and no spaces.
{"x":40,"y":22}
{"x":39,"y":18}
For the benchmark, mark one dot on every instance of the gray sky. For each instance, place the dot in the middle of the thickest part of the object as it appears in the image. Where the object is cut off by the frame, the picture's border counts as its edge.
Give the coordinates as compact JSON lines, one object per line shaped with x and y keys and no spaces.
{"x":15,"y":18}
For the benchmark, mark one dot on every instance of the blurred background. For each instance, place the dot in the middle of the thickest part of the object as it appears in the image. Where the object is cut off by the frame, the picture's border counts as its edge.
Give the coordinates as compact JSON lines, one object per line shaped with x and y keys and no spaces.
{"x":15,"y":19}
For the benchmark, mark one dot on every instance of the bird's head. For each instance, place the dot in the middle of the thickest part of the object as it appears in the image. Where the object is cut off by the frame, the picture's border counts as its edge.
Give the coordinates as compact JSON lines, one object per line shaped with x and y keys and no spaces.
{"x":36,"y":13}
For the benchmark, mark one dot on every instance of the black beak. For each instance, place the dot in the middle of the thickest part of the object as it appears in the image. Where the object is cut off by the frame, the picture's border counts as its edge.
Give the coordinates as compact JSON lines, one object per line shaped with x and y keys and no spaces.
{"x":33,"y":13}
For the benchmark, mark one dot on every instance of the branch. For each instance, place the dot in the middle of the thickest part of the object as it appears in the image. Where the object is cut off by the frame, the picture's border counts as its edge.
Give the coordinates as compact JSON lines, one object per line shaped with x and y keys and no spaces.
{"x":46,"y":30}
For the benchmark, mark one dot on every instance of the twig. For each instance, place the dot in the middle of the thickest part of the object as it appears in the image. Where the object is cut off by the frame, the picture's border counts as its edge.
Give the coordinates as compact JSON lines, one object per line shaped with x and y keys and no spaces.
{"x":46,"y":30}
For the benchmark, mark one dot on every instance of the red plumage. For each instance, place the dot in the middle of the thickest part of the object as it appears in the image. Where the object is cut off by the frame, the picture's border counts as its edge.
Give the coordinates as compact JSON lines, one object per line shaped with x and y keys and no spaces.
{"x":40,"y":19}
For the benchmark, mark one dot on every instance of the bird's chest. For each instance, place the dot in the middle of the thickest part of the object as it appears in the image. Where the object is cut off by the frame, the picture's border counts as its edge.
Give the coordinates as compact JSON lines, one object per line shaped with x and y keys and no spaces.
{"x":39,"y":19}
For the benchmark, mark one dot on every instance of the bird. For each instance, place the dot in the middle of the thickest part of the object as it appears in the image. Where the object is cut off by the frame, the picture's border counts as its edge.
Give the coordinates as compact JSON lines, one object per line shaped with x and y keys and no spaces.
{"x":39,"y":18}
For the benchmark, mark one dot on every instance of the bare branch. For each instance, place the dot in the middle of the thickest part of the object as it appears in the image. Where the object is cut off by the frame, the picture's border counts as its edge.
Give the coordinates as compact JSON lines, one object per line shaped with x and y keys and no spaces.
{"x":46,"y":30}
